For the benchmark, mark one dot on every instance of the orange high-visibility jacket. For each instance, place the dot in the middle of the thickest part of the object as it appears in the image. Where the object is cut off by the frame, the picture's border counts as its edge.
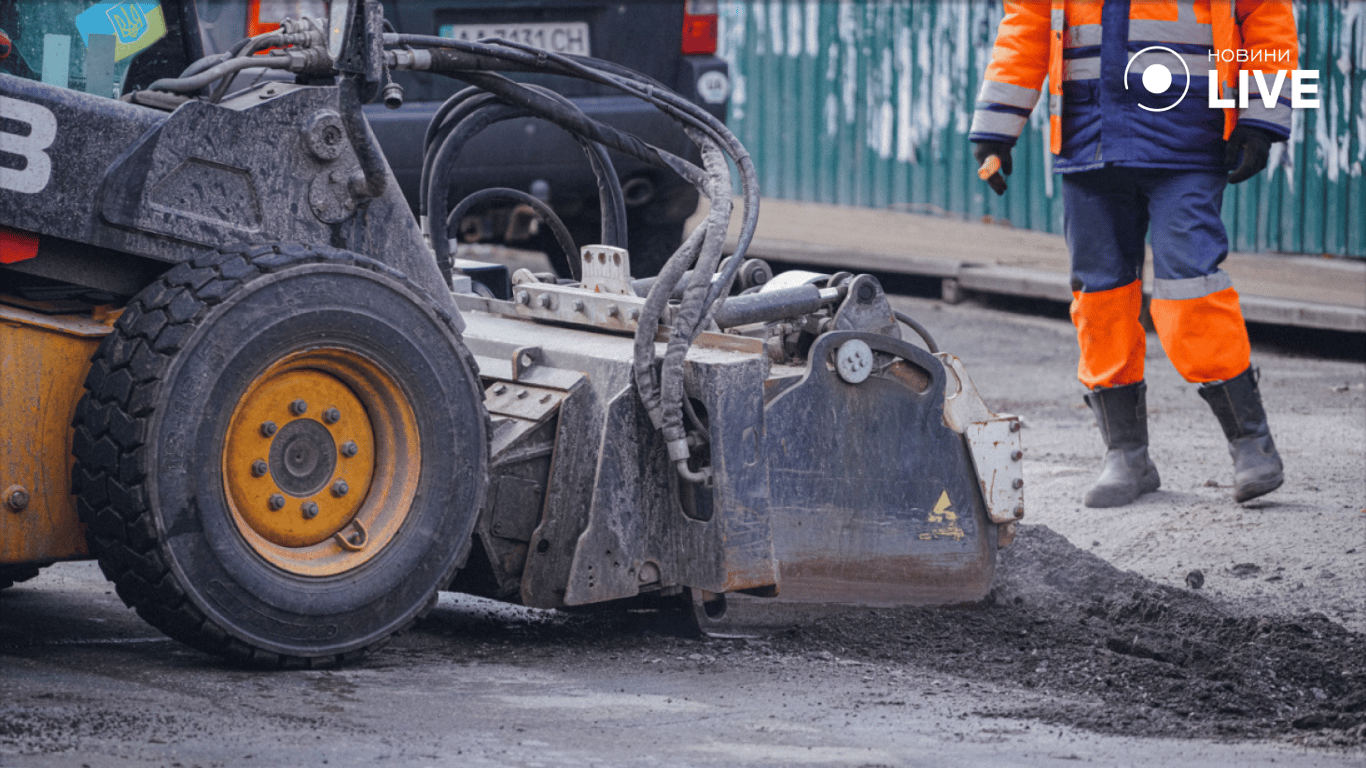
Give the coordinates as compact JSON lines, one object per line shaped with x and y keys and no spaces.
{"x":1036,"y":35}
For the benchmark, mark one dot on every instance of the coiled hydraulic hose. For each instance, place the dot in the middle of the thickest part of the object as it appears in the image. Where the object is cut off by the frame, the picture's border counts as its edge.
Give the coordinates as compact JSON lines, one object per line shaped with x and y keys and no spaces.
{"x":471,"y":101}
{"x":504,"y":194}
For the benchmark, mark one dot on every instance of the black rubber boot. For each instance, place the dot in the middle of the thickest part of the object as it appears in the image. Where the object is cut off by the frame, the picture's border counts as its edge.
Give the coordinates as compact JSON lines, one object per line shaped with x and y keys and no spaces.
{"x":1122,"y":413}
{"x":1237,"y":403}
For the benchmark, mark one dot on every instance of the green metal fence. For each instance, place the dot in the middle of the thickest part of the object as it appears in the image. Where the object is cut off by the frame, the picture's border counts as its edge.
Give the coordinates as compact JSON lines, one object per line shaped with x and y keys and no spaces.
{"x":868,"y":103}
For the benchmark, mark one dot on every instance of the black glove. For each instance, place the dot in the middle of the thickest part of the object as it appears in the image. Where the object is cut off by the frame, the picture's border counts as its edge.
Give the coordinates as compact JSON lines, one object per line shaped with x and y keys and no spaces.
{"x":1254,"y":145}
{"x":981,"y":150}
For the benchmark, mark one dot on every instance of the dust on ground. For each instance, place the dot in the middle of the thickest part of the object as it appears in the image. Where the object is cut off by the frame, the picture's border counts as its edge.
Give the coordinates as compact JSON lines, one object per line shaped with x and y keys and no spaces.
{"x":1095,"y":647}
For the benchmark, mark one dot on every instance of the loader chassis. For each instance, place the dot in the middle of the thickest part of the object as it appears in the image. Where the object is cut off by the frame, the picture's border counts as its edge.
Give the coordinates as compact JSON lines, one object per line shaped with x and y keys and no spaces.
{"x":239,"y":376}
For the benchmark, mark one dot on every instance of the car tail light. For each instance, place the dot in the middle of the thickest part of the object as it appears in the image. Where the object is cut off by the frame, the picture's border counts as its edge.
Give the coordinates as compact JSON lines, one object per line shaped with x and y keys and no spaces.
{"x":266,"y":15}
{"x":699,"y":27}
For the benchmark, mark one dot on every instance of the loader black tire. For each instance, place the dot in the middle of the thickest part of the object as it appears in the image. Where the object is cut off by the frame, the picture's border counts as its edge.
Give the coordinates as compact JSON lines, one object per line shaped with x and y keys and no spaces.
{"x":179,"y":519}
{"x":14,"y":574}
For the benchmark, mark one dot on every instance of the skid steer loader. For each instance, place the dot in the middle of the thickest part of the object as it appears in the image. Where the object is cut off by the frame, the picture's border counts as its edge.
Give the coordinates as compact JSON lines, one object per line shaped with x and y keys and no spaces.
{"x":282,"y":413}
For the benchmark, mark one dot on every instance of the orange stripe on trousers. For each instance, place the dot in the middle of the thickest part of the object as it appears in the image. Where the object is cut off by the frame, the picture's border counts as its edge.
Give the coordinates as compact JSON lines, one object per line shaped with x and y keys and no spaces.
{"x":1205,"y":338}
{"x":1112,"y":340}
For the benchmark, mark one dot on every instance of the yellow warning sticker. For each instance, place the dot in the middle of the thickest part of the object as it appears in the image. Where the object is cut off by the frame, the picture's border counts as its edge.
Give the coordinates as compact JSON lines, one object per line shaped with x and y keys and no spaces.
{"x":946,"y":518}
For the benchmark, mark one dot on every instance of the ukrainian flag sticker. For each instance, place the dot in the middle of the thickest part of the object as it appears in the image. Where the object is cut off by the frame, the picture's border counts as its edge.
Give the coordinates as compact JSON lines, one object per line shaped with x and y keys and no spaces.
{"x":134,"y":25}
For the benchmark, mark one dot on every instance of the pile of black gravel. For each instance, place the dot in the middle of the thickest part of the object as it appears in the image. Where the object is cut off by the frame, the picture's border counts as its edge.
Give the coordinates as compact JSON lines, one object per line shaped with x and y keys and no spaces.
{"x":1108,"y":650}
{"x":1161,"y":661}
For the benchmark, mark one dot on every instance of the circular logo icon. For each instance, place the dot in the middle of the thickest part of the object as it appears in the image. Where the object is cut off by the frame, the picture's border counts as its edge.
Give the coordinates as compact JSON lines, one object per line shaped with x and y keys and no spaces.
{"x":1157,"y":76}
{"x":713,"y":87}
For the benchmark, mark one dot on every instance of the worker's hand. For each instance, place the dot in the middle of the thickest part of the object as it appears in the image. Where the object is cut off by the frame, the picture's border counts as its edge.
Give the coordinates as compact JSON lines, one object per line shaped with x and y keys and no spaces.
{"x":983,"y":151}
{"x":1254,"y":146}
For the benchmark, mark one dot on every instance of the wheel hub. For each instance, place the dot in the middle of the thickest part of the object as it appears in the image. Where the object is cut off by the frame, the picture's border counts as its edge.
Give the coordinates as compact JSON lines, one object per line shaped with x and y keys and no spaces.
{"x":311,"y":489}
{"x":303,"y":457}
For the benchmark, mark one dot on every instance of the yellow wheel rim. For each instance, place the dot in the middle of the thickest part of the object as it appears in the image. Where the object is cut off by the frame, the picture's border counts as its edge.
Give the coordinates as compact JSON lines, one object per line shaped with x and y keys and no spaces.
{"x":321,"y":461}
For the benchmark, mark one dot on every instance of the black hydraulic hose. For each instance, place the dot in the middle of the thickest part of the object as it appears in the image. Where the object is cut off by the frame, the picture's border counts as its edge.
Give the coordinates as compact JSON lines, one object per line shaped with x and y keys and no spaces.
{"x":446,"y":154}
{"x":505,"y":194}
{"x":660,"y":96}
{"x":439,"y":119}
{"x":611,"y":197}
{"x":467,"y":60}
{"x":374,"y":168}
{"x":208,"y":61}
{"x":218,"y":58}
{"x":612,"y":201}
{"x":918,"y":328}
{"x":472,"y":57}
{"x":461,"y":106}
{"x":471,"y":60}
{"x":647,"y":327}
{"x":693,"y":310}
{"x":197,"y":81}
{"x":577,"y":122}
{"x":662,"y":290}
{"x":481,"y":114}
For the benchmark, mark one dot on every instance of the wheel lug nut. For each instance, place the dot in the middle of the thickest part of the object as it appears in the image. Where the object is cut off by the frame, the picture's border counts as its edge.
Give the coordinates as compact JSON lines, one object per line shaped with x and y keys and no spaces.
{"x":349,"y":449}
{"x":340,"y":488}
{"x":277,"y":502}
{"x":259,"y":468}
{"x":298,"y":407}
{"x":268,"y":428}
{"x":310,"y":510}
{"x":331,"y":416}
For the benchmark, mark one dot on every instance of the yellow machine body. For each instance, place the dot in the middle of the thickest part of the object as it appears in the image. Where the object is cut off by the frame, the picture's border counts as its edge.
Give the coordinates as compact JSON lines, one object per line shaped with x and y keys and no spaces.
{"x":45,"y":356}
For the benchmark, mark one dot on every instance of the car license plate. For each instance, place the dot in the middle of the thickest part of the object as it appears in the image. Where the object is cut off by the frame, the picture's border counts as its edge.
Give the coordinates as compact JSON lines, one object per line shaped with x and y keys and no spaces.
{"x":567,"y":37}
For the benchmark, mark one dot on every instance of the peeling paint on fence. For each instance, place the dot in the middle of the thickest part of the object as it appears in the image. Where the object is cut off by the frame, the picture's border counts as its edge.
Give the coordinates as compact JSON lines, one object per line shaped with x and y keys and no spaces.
{"x":868,"y":102}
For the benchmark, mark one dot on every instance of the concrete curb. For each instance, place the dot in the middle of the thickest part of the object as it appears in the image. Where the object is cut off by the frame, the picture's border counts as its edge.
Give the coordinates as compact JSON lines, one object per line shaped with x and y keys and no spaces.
{"x":1272,"y":289}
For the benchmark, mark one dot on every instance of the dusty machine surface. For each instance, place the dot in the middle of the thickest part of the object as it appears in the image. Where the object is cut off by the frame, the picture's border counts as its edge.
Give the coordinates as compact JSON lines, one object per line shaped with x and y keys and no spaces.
{"x":283,"y":415}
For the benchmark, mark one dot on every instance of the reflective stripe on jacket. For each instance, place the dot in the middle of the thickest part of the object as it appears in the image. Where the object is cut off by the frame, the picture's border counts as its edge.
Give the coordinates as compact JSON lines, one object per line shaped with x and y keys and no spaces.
{"x":1066,"y":42}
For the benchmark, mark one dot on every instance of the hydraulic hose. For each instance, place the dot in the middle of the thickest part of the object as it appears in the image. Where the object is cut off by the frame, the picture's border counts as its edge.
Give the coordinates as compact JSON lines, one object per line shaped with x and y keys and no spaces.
{"x":687,"y":323}
{"x":577,"y":122}
{"x":918,"y":328}
{"x":505,"y":194}
{"x":446,"y":154}
{"x":195,"y":82}
{"x":612,"y":201}
{"x":452,"y":112}
{"x":466,"y":59}
{"x":374,"y":168}
{"x":647,"y":327}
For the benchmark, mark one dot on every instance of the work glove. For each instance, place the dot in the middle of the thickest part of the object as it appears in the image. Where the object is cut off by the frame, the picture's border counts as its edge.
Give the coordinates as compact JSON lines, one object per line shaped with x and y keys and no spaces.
{"x":1254,"y":145}
{"x":981,"y":150}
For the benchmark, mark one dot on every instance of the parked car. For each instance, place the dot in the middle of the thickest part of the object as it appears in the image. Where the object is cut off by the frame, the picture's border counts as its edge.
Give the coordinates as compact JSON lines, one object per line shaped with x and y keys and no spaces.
{"x":673,"y":42}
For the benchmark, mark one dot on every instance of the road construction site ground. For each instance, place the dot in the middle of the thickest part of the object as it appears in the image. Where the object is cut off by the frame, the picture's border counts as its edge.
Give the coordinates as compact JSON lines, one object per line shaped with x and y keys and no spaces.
{"x":1092,"y":647}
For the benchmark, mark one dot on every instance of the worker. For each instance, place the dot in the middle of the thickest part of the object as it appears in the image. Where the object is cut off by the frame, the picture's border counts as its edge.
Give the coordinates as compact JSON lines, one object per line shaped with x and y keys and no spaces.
{"x":1139,"y":146}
